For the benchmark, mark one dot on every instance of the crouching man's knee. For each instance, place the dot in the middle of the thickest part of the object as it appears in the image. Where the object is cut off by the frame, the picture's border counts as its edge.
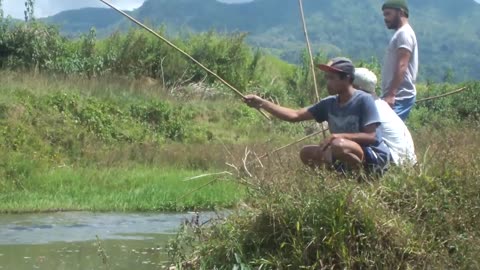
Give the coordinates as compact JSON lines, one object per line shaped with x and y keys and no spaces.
{"x":313,"y":155}
{"x":339,"y":147}
{"x":347,"y":151}
{"x":308,"y":155}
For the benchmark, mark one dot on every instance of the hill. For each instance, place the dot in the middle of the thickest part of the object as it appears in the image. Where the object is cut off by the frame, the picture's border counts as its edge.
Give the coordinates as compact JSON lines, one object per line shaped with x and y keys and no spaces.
{"x":447,"y":34}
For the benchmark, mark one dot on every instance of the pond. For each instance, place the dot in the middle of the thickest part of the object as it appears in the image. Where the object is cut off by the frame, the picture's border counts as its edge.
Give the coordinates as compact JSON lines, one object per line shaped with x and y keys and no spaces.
{"x":82,"y":240}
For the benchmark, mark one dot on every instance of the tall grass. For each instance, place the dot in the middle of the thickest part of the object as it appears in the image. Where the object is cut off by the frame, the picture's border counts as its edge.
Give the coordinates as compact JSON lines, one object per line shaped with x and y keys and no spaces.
{"x":424,"y":217}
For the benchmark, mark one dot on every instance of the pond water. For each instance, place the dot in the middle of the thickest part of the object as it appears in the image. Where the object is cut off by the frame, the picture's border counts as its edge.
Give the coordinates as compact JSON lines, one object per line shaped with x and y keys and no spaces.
{"x":81,"y":240}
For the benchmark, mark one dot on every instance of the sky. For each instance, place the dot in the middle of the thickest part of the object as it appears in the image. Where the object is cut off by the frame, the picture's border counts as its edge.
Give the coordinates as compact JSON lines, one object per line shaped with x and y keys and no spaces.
{"x":45,"y":8}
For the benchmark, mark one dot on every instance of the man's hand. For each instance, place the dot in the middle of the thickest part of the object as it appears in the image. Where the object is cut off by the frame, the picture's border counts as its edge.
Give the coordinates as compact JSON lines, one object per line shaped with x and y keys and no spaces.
{"x":254,"y":101}
{"x":326,"y":143}
{"x":390,"y":100}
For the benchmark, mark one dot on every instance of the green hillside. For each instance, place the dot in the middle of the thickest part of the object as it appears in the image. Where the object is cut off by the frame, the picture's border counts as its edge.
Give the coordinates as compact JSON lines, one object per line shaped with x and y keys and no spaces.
{"x":446,"y":30}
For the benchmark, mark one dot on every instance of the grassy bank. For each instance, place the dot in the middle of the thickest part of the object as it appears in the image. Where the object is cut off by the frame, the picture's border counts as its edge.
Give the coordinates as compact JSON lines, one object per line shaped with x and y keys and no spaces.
{"x":421,"y":218}
{"x":114,"y":144}
{"x":116,"y":189}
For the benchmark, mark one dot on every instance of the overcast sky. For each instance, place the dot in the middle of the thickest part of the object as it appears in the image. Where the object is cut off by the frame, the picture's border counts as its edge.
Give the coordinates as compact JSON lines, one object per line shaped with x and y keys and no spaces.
{"x":45,"y":8}
{"x":49,"y":7}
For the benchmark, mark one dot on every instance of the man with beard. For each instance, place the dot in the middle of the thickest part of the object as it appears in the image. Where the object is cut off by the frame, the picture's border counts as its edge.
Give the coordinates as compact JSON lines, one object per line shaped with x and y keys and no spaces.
{"x":355,"y":140}
{"x":400,"y":64}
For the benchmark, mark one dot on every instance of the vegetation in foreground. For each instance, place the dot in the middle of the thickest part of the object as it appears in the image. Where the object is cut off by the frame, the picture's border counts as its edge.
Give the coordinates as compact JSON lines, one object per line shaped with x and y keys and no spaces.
{"x":421,"y":218}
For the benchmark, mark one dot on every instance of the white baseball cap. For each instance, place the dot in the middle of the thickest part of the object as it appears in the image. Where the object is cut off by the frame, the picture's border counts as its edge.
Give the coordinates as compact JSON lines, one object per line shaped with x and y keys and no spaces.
{"x":365,"y":80}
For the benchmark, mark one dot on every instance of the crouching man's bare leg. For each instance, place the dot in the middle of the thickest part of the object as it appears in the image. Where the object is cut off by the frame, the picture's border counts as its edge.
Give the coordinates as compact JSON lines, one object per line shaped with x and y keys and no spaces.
{"x":315,"y":156}
{"x":348,"y":152}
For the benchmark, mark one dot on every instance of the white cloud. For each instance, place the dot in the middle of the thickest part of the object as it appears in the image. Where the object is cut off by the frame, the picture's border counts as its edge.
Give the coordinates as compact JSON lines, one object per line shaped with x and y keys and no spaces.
{"x":45,"y":8}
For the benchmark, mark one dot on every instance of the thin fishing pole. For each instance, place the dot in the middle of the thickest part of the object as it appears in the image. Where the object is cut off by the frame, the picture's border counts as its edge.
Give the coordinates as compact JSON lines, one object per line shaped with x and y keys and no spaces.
{"x":309,"y":48}
{"x":182,"y":52}
{"x":312,"y":65}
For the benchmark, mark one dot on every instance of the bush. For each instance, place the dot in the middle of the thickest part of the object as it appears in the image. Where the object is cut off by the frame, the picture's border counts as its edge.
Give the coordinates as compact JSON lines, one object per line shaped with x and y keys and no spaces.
{"x":424,"y":217}
{"x":30,"y":46}
{"x":446,"y":111}
{"x":465,"y":105}
{"x":136,"y":53}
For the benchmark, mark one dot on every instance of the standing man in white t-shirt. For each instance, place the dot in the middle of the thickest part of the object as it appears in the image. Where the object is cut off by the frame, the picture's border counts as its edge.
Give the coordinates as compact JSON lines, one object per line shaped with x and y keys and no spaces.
{"x":400,"y":64}
{"x":395,"y":133}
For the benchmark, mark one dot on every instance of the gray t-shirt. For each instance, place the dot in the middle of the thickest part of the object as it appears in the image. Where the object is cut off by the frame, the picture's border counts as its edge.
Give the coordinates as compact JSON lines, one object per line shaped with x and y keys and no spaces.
{"x":405,"y":38}
{"x":352,"y":117}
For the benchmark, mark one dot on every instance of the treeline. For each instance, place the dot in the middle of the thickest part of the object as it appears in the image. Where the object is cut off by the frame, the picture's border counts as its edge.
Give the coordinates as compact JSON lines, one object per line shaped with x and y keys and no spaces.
{"x":136,"y":53}
{"x":34,"y":46}
{"x":40,"y":47}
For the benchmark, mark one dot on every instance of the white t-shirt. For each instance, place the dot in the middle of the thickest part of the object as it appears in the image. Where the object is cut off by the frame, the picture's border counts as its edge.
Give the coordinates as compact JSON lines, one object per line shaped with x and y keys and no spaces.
{"x":396,"y":135}
{"x":403,"y":38}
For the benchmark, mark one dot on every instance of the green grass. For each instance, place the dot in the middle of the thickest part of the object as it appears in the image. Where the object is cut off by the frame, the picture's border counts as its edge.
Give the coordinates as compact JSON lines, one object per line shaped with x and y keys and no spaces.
{"x":66,"y":142}
{"x":420,"y":218}
{"x":117,"y":189}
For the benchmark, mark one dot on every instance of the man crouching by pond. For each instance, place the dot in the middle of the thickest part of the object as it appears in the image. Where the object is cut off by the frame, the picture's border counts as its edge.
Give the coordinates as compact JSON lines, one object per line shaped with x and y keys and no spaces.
{"x":352,"y":117}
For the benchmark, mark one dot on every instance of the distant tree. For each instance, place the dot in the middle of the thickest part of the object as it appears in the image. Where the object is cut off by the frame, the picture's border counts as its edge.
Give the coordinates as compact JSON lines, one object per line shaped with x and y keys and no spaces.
{"x":29,"y":10}
{"x":448,"y":76}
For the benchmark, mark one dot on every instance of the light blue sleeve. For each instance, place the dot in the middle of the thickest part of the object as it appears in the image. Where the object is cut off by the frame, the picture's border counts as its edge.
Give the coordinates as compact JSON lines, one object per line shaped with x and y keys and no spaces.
{"x":369,"y":111}
{"x":320,"y":110}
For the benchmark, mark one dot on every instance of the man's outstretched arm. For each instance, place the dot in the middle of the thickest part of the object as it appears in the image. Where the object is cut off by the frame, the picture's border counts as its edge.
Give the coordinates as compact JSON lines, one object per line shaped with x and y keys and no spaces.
{"x":283,"y":113}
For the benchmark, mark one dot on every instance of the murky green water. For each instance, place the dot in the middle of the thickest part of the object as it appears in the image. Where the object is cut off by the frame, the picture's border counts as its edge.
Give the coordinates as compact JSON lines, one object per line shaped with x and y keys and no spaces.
{"x":69,"y":240}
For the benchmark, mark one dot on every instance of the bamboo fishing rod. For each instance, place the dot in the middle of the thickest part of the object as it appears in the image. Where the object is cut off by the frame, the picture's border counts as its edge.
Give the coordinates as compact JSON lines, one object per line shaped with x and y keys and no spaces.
{"x":312,"y":65}
{"x":293,"y":143}
{"x":443,"y":95}
{"x":238,"y":93}
{"x":309,"y":48}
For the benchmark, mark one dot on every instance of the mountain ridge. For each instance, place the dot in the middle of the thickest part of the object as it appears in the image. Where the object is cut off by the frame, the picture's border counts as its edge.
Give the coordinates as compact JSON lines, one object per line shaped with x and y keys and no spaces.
{"x":447,"y":34}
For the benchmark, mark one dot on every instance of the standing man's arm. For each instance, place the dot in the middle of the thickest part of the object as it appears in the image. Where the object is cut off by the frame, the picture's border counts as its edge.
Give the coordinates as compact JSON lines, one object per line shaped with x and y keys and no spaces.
{"x":283,"y":113}
{"x":403,"y":56}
